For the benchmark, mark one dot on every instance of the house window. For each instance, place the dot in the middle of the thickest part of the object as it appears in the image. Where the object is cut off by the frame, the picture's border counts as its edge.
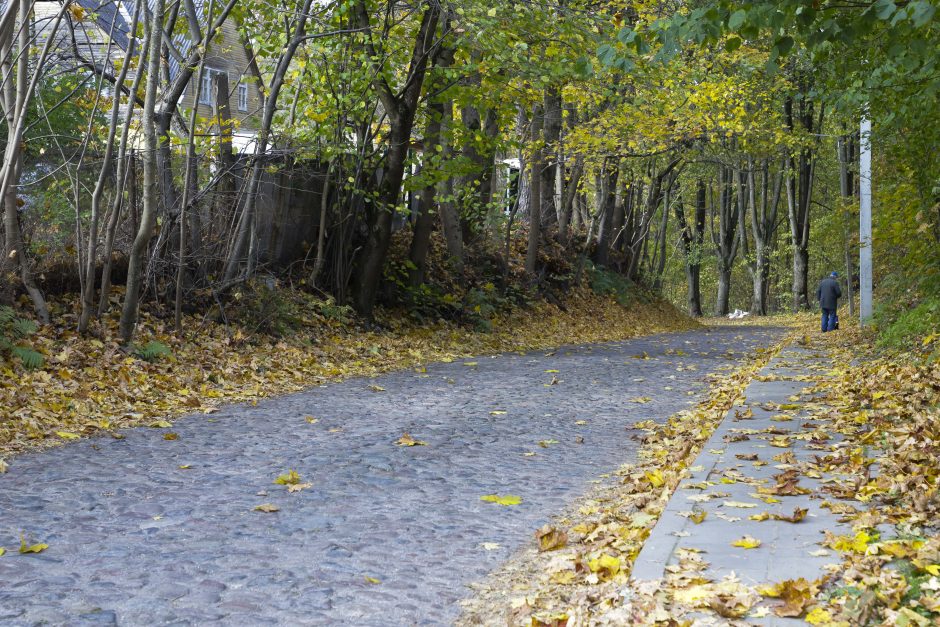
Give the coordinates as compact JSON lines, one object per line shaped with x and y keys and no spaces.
{"x":207,"y":88}
{"x":242,"y":97}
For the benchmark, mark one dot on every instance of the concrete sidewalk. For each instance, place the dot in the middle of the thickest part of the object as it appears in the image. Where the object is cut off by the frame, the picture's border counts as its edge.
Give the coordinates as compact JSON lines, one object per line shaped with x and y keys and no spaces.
{"x":758,"y":440}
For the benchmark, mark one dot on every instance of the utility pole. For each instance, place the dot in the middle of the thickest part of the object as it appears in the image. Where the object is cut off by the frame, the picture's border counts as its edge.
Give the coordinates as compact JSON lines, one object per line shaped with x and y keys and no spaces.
{"x":864,"y":231}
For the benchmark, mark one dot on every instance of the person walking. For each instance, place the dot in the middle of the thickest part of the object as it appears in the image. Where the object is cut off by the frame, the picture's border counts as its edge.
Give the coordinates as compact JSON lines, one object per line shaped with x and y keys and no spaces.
{"x":828,"y":294}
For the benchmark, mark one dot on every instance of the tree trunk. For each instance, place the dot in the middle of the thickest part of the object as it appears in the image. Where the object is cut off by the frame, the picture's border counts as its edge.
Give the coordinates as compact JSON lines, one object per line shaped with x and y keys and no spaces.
{"x":535,"y":189}
{"x":401,"y":110}
{"x":450,"y":218}
{"x":693,"y":237}
{"x":551,"y":134}
{"x":148,"y":218}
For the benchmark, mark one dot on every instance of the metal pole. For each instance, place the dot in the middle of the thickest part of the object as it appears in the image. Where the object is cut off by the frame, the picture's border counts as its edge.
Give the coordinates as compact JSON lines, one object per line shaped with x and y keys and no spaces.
{"x":864,"y":231}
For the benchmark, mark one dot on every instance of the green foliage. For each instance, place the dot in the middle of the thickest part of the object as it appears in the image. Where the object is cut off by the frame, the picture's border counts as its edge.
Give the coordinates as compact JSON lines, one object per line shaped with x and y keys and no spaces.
{"x":13,"y":330}
{"x":903,"y":328}
{"x":152,"y":351}
{"x":608,"y":282}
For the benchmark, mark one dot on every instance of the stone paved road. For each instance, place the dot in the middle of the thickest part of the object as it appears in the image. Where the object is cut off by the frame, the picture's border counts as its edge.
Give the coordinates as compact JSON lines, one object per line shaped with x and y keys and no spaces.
{"x":136,"y":540}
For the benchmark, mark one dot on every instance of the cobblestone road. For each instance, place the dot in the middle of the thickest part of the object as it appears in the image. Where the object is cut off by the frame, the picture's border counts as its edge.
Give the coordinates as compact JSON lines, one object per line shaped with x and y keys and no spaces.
{"x":136,"y":539}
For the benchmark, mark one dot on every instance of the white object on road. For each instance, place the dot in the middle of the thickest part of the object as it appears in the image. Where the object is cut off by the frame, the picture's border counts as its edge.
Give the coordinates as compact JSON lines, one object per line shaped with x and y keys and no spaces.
{"x":737,"y":314}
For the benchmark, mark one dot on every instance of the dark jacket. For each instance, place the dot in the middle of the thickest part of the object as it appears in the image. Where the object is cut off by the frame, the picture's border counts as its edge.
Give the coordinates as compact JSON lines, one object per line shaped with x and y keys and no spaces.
{"x":828,"y":293}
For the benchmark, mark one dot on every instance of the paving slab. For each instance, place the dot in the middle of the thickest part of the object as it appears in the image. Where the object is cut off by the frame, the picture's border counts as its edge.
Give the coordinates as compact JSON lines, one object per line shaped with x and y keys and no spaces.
{"x":724,"y":481}
{"x":145,"y":531}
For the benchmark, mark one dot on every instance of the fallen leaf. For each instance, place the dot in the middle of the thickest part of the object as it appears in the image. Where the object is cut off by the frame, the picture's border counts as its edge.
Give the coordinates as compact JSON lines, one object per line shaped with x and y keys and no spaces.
{"x":489,"y":546}
{"x":311,"y":419}
{"x":32,"y":548}
{"x":747,"y":457}
{"x":297,"y":487}
{"x":171,"y":436}
{"x":291,"y":477}
{"x":407,"y":440}
{"x":497,"y":412}
{"x":267,"y":508}
{"x":470,"y":363}
{"x":818,"y":616}
{"x":551,"y":371}
{"x":372,"y":580}
{"x":2,"y":551}
{"x":606,"y":566}
{"x":529,"y":454}
{"x":655,"y":477}
{"x":184,"y":467}
{"x":739,"y":504}
{"x":67,"y":435}
{"x":509,"y":499}
{"x":551,"y":538}
{"x":3,"y":466}
{"x":747,"y":542}
{"x":698,"y":517}
{"x":641,"y":399}
{"x":547,"y":443}
{"x":376,"y":388}
{"x":819,"y":553}
{"x":580,"y":422}
{"x":160,"y":424}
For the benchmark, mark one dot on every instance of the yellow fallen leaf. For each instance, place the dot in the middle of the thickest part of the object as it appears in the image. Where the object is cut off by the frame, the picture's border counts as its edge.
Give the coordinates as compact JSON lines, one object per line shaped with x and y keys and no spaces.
{"x":407,"y":440}
{"x":655,"y":477}
{"x":376,"y":388}
{"x":268,"y":508}
{"x":67,"y":435}
{"x":311,"y":419}
{"x":818,"y":616}
{"x":606,"y":566}
{"x":2,"y":550}
{"x":184,"y":467}
{"x":372,"y":580}
{"x":3,"y":466}
{"x":497,"y":412}
{"x":291,"y":477}
{"x":171,"y":436}
{"x":160,"y":424}
{"x":509,"y":499}
{"x":747,"y":542}
{"x":552,"y":371}
{"x":470,"y":363}
{"x":32,"y":548}
{"x":297,"y":487}
{"x":698,"y":517}
{"x":580,"y":422}
{"x":529,"y":454}
{"x":547,"y":443}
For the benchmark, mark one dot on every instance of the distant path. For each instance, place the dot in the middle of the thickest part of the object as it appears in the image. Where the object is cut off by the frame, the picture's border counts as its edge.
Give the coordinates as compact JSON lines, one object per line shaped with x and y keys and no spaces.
{"x":136,"y":540}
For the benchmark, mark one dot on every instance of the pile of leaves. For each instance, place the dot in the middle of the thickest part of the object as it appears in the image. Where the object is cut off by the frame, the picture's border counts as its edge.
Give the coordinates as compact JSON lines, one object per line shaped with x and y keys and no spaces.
{"x":578,"y":566}
{"x":91,"y":385}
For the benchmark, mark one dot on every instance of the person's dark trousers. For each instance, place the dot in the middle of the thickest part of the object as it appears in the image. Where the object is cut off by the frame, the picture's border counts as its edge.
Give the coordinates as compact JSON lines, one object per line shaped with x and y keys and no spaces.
{"x":828,"y":320}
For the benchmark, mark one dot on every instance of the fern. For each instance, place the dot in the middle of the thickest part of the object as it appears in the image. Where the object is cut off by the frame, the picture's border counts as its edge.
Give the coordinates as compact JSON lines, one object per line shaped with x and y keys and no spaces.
{"x":13,"y":330}
{"x":28,"y":357}
{"x":152,"y":351}
{"x":22,"y":328}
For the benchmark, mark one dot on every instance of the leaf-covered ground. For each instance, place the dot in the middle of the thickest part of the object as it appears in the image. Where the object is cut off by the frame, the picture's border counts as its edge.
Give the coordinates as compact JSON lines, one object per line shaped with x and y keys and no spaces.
{"x":92,"y":384}
{"x":882,"y":479}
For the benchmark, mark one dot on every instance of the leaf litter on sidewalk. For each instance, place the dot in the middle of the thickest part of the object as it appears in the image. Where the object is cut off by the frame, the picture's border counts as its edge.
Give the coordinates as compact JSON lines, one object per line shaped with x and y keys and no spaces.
{"x":883,"y":479}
